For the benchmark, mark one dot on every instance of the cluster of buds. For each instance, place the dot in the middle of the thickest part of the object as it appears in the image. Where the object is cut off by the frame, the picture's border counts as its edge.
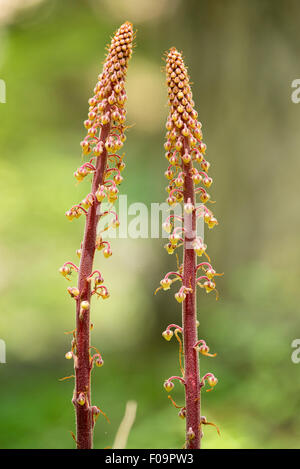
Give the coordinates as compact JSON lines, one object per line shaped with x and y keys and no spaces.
{"x":107,"y":111}
{"x":204,"y":281}
{"x":210,"y":378}
{"x":75,"y":212}
{"x":98,"y":287}
{"x":84,"y":170}
{"x":103,"y":246}
{"x":107,"y":103}
{"x":182,"y":124}
{"x":108,"y":190}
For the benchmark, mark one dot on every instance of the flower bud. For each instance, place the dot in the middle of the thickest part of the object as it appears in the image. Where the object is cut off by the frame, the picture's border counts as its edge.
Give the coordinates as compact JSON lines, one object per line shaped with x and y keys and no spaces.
{"x":199,"y":157}
{"x":180,"y":296}
{"x":118,"y":179}
{"x":210,"y":273}
{"x":198,"y":134}
{"x":197,"y":178}
{"x":73,"y":291}
{"x":203,"y":348}
{"x":81,"y":399}
{"x":167,"y":334}
{"x":167,"y":226}
{"x":85,"y":146}
{"x":169,"y":174}
{"x":92,"y":115}
{"x":202,"y":148}
{"x":171,"y":200}
{"x":84,"y":305}
{"x":99,"y":361}
{"x":174,"y":238}
{"x":207,"y":181}
{"x":166,"y":283}
{"x":188,"y":207}
{"x":115,"y":223}
{"x":205,"y":165}
{"x":169,"y":125}
{"x":98,"y":281}
{"x":199,"y":247}
{"x":107,"y":252}
{"x":186,"y":158}
{"x":209,"y":286}
{"x":190,"y":434}
{"x":170,"y":248}
{"x":98,"y":150}
{"x":105,"y":295}
{"x":65,"y":270}
{"x":204,"y":197}
{"x":173,"y":160}
{"x":168,"y":145}
{"x":178,"y":145}
{"x":70,"y":214}
{"x":100,"y":193}
{"x":87,"y":201}
{"x":168,"y":385}
{"x":92,"y":131}
{"x":87,"y":124}
{"x":212,"y":381}
{"x":212,"y":222}
{"x":105,"y":119}
{"x":95,"y":411}
{"x":121,"y":166}
{"x":185,"y":131}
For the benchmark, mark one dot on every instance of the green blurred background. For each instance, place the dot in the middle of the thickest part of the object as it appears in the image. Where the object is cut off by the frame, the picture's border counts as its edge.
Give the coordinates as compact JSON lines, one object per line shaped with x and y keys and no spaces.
{"x":242,"y":57}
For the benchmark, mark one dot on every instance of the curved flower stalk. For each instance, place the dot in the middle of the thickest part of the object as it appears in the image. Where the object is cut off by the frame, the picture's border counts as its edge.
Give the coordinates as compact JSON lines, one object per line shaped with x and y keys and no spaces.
{"x":188,"y":178}
{"x":105,"y":137}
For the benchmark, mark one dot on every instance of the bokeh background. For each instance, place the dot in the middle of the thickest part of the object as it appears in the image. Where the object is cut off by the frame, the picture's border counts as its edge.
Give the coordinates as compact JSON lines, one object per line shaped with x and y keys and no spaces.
{"x":242,"y":57}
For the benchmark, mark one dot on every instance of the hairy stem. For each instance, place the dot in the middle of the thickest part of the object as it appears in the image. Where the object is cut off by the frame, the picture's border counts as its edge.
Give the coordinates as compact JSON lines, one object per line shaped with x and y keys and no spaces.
{"x":83,"y":365}
{"x":189,"y":314}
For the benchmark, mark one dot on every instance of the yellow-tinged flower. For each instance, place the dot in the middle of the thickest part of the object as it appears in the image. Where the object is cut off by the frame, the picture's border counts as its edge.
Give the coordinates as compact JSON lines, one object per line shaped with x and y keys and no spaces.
{"x":212,"y":381}
{"x":166,"y":283}
{"x":167,"y":334}
{"x":168,"y":385}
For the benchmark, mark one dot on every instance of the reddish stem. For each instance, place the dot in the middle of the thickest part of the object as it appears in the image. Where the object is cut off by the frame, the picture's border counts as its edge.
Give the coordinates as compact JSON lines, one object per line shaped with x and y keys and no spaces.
{"x":189,"y":314}
{"x":84,"y":416}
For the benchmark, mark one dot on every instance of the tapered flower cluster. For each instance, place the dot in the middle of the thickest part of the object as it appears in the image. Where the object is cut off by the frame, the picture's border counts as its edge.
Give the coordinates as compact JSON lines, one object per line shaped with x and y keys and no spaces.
{"x":106,"y":109}
{"x":188,"y":178}
{"x":105,"y":138}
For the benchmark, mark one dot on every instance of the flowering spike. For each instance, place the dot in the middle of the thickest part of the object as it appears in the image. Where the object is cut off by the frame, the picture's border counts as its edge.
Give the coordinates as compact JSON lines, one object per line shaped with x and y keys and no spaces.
{"x":105,"y":136}
{"x":185,"y":150}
